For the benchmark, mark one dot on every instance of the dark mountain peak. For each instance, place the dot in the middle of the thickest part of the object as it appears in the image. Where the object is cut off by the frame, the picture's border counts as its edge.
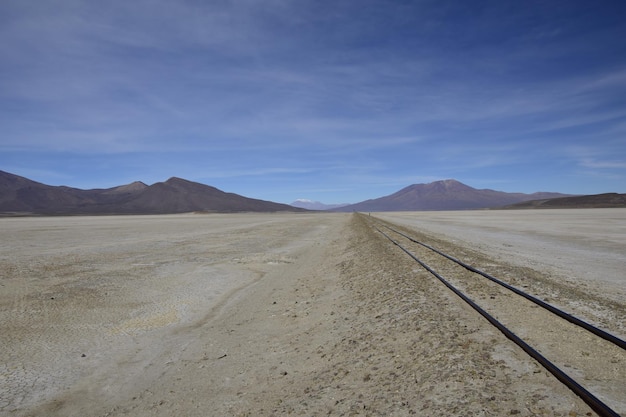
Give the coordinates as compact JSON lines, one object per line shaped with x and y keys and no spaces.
{"x":178,"y":180}
{"x":181,"y":182}
{"x":133,"y":187}
{"x":451,"y":184}
{"x":442,"y":187}
{"x":182,"y":185}
{"x":136,"y":184}
{"x":448,"y":185}
{"x":448,"y":182}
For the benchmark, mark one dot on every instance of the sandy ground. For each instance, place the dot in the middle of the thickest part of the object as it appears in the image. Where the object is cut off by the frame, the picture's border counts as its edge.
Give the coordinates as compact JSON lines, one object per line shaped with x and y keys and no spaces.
{"x":258,"y":315}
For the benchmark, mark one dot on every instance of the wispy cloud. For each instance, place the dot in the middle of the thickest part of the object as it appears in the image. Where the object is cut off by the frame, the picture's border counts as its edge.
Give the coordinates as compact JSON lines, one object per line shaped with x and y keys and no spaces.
{"x":370,"y":92}
{"x":607,"y":164}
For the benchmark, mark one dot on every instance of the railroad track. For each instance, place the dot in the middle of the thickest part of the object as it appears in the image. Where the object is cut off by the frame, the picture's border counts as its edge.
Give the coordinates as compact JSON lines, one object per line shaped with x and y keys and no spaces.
{"x":513,"y":311}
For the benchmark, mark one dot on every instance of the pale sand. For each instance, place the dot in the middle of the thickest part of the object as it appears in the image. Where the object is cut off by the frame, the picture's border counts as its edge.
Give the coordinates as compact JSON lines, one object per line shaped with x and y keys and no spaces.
{"x":248,"y":314}
{"x":587,"y":245}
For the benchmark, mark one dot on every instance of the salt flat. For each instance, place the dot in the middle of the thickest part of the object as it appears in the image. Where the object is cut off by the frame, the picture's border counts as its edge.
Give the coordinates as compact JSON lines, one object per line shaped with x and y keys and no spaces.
{"x":272,"y":314}
{"x":583,"y":245}
{"x":79,"y":294}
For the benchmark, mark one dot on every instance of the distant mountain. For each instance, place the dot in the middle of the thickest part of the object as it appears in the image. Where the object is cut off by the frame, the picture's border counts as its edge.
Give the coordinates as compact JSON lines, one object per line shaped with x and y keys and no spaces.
{"x":444,"y":195}
{"x":19,"y":195}
{"x":607,"y":200}
{"x":315,"y":205}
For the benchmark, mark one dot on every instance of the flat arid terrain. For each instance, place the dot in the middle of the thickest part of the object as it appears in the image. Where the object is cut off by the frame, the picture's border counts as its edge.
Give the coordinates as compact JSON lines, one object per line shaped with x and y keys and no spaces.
{"x":587,"y":245}
{"x":299,"y":314}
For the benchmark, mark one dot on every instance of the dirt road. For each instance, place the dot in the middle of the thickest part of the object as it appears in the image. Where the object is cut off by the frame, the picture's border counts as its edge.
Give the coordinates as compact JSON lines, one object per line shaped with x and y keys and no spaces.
{"x":244,"y":315}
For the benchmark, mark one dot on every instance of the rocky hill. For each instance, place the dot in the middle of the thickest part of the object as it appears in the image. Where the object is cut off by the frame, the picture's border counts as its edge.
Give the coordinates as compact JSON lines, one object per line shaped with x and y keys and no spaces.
{"x":444,"y":195}
{"x":607,"y":200}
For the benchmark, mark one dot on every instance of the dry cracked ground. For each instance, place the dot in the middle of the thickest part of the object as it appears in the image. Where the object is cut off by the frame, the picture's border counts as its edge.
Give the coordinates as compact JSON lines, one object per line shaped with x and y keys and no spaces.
{"x":252,"y":315}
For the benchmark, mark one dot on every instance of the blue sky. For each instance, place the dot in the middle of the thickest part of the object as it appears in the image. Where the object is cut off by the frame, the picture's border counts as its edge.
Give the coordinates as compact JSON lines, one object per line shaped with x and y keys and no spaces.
{"x":335,"y":101}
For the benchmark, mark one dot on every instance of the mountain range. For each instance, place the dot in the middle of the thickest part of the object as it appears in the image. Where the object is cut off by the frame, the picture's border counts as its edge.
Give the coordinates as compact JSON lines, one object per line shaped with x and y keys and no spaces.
{"x":606,"y":200}
{"x":315,"y":205}
{"x":444,"y":195}
{"x":19,"y":195}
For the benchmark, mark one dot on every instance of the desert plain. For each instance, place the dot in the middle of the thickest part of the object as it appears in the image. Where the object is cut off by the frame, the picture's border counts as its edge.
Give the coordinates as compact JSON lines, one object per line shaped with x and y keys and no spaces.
{"x":291,"y":314}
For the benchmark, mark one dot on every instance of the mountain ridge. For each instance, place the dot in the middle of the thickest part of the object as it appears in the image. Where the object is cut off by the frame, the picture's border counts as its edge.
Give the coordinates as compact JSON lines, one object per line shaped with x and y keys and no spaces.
{"x":22,"y":196}
{"x":446,"y":194}
{"x":19,"y":195}
{"x":604,"y":200}
{"x":315,"y":205}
